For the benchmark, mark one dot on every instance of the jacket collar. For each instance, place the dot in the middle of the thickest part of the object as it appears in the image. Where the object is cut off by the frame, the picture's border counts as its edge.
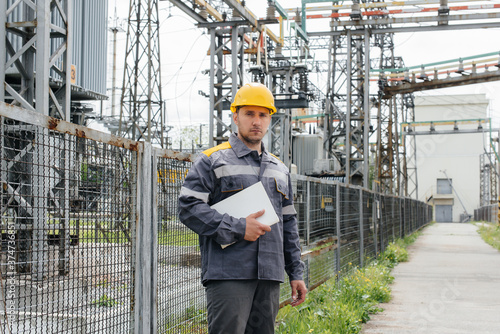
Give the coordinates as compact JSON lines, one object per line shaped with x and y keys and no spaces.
{"x":242,"y":150}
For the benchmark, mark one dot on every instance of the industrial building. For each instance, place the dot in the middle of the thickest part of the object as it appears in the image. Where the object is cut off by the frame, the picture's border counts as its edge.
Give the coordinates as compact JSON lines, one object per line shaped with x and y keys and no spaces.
{"x":90,"y":238}
{"x":449,"y":149}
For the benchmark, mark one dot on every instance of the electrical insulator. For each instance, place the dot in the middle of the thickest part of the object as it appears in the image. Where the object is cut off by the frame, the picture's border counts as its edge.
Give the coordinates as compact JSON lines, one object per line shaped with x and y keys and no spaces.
{"x":297,"y":17}
{"x":303,"y":81}
{"x":460,"y":66}
{"x":271,"y":10}
{"x":236,"y":15}
{"x":204,"y":13}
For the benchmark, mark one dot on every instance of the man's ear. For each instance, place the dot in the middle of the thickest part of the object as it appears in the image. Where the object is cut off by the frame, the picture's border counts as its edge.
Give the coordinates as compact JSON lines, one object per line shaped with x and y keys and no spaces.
{"x":235,"y":117}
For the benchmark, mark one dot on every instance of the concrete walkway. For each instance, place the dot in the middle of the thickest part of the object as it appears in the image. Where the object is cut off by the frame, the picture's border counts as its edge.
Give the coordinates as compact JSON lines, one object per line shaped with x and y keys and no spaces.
{"x":450,"y":285}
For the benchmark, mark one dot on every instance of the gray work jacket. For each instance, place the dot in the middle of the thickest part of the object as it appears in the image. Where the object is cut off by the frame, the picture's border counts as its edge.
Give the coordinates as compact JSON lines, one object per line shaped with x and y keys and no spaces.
{"x":220,"y":172}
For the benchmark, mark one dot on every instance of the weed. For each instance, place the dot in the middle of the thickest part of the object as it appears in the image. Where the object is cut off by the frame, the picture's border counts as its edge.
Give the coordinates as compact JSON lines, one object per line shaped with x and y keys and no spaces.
{"x":105,"y":301}
{"x":490,"y":234}
{"x":339,"y":307}
{"x":343,"y":305}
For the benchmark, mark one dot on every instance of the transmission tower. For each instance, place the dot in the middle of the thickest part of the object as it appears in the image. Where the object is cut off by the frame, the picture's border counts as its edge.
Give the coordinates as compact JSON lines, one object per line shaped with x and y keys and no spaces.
{"x":387,"y":117}
{"x":142,"y":109}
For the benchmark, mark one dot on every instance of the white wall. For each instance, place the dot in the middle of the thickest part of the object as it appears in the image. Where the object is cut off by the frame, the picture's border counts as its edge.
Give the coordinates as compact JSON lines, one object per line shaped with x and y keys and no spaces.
{"x":457,"y":154}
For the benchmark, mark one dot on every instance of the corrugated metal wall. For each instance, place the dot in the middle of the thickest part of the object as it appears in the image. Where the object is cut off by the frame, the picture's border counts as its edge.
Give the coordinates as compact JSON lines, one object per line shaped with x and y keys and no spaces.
{"x":89,"y":33}
{"x":93,"y":48}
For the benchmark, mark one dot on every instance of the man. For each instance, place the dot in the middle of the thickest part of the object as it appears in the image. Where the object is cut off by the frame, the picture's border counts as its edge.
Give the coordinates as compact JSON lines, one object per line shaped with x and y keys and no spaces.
{"x":242,"y":280}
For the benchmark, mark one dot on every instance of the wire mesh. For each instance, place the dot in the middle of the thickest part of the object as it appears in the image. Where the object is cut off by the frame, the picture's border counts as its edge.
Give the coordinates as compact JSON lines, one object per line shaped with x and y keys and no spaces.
{"x":300,"y":203}
{"x":70,"y":251}
{"x":386,"y":229}
{"x":397,"y":218}
{"x":369,"y":236}
{"x":66,"y":232}
{"x":321,"y":262}
{"x":349,"y":229}
{"x":181,"y":296}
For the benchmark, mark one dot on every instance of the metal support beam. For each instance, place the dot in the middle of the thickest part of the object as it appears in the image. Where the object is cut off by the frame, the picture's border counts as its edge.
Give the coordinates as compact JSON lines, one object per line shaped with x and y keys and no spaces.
{"x":3,"y":47}
{"x":361,"y":230}
{"x":188,"y":10}
{"x":356,"y":148}
{"x":410,"y":87}
{"x":36,"y":42}
{"x":224,"y":84}
{"x":338,"y":230}
{"x":281,"y":136}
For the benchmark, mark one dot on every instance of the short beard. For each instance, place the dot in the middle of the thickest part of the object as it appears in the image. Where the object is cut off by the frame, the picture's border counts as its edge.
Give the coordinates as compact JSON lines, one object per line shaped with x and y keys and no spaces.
{"x":251,"y":141}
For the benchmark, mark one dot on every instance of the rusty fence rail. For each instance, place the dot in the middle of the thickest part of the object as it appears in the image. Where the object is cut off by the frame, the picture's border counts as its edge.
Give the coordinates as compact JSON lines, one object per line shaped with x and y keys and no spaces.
{"x":91,"y":241}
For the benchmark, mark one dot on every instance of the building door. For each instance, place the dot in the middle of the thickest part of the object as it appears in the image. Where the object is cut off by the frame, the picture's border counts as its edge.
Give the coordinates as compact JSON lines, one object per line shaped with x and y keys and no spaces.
{"x":444,"y":186}
{"x":444,"y":213}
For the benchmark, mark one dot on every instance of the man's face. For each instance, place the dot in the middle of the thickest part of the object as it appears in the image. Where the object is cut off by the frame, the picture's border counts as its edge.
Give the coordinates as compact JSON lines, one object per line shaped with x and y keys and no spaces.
{"x":252,"y":123}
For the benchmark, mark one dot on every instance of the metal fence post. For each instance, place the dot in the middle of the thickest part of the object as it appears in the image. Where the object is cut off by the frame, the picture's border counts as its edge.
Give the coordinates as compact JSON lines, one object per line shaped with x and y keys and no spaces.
{"x":39,"y":189}
{"x":337,"y":202}
{"x":361,"y":234}
{"x":402,"y":214}
{"x":417,"y":209}
{"x":393,"y":219}
{"x":144,"y":275}
{"x":154,"y":243}
{"x":308,"y":212}
{"x":401,"y":227}
{"x":381,"y":224}
{"x":375,"y":213}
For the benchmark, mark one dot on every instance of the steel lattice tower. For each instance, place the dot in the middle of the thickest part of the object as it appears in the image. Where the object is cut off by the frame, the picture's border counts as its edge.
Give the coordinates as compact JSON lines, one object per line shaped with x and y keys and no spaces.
{"x":36,"y":44}
{"x":37,"y":55}
{"x":408,"y":152}
{"x":224,"y":83}
{"x":142,"y":109}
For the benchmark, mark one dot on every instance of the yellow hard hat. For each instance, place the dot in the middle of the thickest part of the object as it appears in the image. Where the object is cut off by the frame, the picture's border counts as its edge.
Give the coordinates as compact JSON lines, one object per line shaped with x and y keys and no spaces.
{"x":254,"y":94}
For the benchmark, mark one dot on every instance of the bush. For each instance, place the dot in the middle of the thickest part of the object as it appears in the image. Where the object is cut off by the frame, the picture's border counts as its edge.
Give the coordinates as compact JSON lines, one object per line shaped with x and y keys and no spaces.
{"x":339,"y":307}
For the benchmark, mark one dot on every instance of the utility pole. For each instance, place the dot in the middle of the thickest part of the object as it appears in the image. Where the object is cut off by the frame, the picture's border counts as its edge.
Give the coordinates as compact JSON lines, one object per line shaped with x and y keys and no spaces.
{"x":114,"y":29}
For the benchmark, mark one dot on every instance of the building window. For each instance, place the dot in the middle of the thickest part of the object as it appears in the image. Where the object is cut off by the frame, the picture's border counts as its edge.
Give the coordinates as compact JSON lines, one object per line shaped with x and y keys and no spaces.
{"x":444,"y":186}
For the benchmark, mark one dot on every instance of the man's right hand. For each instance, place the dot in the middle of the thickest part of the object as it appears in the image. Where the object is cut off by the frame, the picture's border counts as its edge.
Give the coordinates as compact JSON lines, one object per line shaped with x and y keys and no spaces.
{"x":254,"y":229}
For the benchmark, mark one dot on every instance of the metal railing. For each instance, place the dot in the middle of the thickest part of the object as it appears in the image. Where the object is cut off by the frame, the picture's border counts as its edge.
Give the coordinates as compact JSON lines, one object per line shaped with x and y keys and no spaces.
{"x":91,"y":241}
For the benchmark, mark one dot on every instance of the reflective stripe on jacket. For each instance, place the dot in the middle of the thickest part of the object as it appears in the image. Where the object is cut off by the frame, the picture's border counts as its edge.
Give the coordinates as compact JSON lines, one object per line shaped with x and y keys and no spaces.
{"x":219,"y":173}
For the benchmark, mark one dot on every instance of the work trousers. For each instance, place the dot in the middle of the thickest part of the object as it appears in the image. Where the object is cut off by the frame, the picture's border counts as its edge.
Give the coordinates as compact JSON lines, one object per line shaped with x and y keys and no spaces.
{"x":242,"y":306}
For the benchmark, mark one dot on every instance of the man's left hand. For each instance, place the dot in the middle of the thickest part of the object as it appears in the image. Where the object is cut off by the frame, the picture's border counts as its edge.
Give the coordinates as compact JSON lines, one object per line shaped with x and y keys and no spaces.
{"x":299,"y":292}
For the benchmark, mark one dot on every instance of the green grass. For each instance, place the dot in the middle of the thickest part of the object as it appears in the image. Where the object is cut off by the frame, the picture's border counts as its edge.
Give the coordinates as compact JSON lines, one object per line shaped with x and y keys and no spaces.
{"x":193,"y":321}
{"x":178,"y":237}
{"x":167,"y":237}
{"x":490,"y":233}
{"x":339,"y":307}
{"x":181,"y":237}
{"x":343,"y":306}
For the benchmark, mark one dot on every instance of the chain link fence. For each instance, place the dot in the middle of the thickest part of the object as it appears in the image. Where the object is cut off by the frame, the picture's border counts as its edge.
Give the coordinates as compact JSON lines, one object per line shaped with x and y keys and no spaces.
{"x":91,"y":241}
{"x":67,"y":227}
